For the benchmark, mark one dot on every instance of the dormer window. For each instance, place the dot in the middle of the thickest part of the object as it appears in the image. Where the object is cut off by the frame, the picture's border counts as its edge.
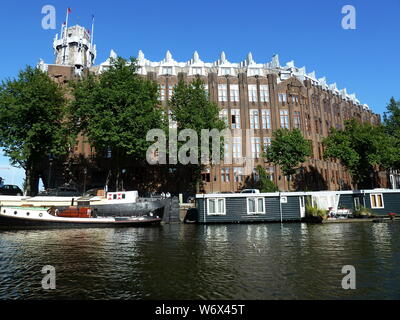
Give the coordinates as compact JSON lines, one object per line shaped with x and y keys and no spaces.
{"x":197,"y":70}
{"x":167,"y":70}
{"x":225,"y":71}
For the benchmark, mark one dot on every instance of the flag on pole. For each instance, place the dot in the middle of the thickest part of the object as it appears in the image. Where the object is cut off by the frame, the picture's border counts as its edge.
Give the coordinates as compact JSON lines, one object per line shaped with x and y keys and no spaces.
{"x":69,"y":10}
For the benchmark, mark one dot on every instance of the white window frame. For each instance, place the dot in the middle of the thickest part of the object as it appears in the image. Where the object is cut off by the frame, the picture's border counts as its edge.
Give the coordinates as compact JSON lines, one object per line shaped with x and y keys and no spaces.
{"x":256,"y":199}
{"x":255,"y":147}
{"x":236,"y":113}
{"x":234,"y":92}
{"x":266,"y":119}
{"x":252,"y":89}
{"x":254,"y":119}
{"x":237,"y":147}
{"x":222,"y":93}
{"x":375,"y":195}
{"x":217,"y":207}
{"x":284,"y":119}
{"x":223,"y":115}
{"x":264,"y":93}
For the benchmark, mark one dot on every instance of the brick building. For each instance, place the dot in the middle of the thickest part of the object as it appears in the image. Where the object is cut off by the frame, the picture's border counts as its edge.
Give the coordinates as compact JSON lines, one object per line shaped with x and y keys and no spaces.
{"x":255,"y":99}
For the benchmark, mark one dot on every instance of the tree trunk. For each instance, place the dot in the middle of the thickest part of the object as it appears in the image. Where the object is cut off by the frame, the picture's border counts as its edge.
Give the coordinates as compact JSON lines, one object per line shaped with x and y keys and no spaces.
{"x":32,"y":181}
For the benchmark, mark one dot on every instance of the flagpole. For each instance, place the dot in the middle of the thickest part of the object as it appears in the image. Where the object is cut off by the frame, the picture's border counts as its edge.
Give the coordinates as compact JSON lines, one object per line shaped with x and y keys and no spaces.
{"x":66,"y":21}
{"x":91,"y":38}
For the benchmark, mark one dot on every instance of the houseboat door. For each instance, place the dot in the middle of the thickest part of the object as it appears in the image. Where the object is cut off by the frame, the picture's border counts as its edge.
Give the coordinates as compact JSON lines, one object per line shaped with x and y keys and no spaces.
{"x":302,"y":207}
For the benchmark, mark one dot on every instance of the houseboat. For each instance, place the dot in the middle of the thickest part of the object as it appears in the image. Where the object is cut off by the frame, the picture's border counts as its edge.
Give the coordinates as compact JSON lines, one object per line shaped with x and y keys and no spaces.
{"x":73,"y":217}
{"x":124,"y":203}
{"x":289,"y":206}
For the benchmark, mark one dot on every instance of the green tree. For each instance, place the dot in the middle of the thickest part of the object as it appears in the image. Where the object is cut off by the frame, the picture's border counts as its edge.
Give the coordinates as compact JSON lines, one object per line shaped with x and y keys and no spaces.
{"x":33,"y":123}
{"x":264,"y":183}
{"x":288,"y":150}
{"x":115,"y":111}
{"x":361,"y":148}
{"x":391,"y":118}
{"x":192,"y":109}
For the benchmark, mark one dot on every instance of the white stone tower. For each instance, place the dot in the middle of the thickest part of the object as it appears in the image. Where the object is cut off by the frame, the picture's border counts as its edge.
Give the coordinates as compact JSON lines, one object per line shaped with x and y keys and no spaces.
{"x":75,"y":47}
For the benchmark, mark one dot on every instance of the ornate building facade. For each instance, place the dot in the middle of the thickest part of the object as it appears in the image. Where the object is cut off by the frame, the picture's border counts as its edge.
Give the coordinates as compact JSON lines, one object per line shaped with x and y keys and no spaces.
{"x":254,"y":98}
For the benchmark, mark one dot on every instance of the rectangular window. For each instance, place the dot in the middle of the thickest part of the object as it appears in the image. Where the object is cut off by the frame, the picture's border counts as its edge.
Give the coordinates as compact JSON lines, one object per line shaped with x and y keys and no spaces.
{"x":235,"y":115}
{"x":222,"y":93}
{"x":162,"y":93}
{"x":255,"y":206}
{"x":252,"y":92}
{"x":271,"y":173}
{"x":296,"y":120}
{"x":266,"y":143}
{"x":237,"y":147}
{"x":196,"y":70}
{"x":377,"y":201}
{"x":254,"y":119}
{"x":170,"y":91}
{"x":266,"y":119}
{"x":238,"y":174}
{"x":225,"y":71}
{"x":167,"y":70}
{"x":255,"y":147}
{"x":206,"y":176}
{"x":223,"y":115}
{"x":216,"y":207}
{"x":225,"y":175}
{"x":264,"y":93}
{"x":234,"y":91}
{"x":284,"y":119}
{"x":295,"y":99}
{"x":357,"y":205}
{"x":282,"y":97}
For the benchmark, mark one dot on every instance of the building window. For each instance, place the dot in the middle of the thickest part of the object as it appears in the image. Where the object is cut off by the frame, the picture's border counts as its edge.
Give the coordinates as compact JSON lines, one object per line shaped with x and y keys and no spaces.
{"x":282,"y":97}
{"x":295,"y":99}
{"x":255,"y":206}
{"x":223,"y":115}
{"x":266,"y":143}
{"x":254,"y":119}
{"x":284,"y":119}
{"x":234,"y":90}
{"x":206,"y":89}
{"x":238,"y":174}
{"x":197,"y":70}
{"x":216,"y":207}
{"x":225,"y":175}
{"x":296,"y":120}
{"x":206,"y":176}
{"x":264,"y":93}
{"x":171,"y":121}
{"x":253,"y":72}
{"x":307,"y":120}
{"x":252,"y":92}
{"x":271,"y":173}
{"x":237,"y":147}
{"x":377,"y":201}
{"x":235,"y":115}
{"x":170,"y":91}
{"x":255,"y":147}
{"x":225,"y":71}
{"x":266,"y":119}
{"x":222,"y":93}
{"x":162,"y":93}
{"x":167,"y":70}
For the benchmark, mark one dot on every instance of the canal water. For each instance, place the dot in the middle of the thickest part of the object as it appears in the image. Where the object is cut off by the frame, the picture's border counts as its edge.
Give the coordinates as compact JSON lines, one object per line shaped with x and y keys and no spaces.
{"x":258,"y":261}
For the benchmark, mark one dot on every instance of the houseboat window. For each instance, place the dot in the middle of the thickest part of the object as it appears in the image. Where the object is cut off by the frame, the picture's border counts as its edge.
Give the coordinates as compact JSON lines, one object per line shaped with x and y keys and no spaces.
{"x":123,"y":196}
{"x":255,"y":206}
{"x":216,"y":206}
{"x":357,"y":203}
{"x":114,"y":196}
{"x":377,"y":201}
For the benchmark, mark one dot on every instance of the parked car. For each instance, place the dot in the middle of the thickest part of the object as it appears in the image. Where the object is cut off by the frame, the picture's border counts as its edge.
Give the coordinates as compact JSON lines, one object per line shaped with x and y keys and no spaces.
{"x":10,"y":190}
{"x":250,"y":191}
{"x":64,"y":191}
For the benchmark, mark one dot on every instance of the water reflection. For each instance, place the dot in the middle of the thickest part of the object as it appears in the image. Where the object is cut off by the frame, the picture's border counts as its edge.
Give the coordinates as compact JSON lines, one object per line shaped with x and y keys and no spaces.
{"x":260,"y":261}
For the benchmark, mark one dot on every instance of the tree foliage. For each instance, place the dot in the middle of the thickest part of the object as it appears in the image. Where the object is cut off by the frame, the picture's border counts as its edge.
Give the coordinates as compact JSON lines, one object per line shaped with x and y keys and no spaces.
{"x":192,"y":109}
{"x":288,"y":150}
{"x":264,"y":183}
{"x":116,"y":110}
{"x":361,"y":148}
{"x":33,"y":122}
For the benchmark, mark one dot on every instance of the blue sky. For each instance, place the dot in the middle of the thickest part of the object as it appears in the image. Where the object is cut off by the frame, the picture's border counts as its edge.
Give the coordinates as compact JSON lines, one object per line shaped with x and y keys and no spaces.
{"x":365,"y":60}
